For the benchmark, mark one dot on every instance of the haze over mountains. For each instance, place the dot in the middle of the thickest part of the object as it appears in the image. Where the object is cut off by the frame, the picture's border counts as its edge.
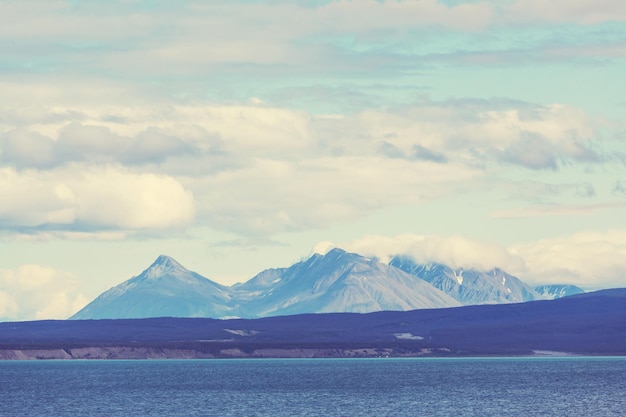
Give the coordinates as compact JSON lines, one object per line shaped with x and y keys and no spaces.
{"x":335,"y":282}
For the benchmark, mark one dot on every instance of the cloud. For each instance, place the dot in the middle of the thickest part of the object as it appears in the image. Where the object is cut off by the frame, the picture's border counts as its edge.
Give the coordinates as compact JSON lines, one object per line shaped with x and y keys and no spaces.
{"x":465,"y":131}
{"x":24,"y":148}
{"x":195,"y":48}
{"x":273,"y":196}
{"x":619,"y":188}
{"x":586,"y":12}
{"x":92,"y":198}
{"x":322,"y":248}
{"x":554,"y":210}
{"x":539,"y":193}
{"x":376,"y":15}
{"x":420,"y":152}
{"x":34,"y":292}
{"x":256,"y":170}
{"x":154,"y":134}
{"x":455,"y":251}
{"x":470,"y":132}
{"x":88,"y":143}
{"x":259,"y":130}
{"x":591,"y":260}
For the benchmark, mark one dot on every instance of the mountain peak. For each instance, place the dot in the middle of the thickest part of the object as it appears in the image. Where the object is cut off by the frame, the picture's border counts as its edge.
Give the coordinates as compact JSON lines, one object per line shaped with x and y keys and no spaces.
{"x":163,"y":264}
{"x":336,"y":252}
{"x":164,"y":289}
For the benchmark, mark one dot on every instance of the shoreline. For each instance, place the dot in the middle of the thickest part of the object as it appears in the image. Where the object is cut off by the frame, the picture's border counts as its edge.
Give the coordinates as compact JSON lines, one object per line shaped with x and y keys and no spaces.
{"x":157,"y":353}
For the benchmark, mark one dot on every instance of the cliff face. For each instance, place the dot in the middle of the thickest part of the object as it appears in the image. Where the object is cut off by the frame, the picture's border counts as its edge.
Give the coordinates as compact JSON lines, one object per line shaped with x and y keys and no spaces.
{"x":136,"y":353}
{"x":111,"y":352}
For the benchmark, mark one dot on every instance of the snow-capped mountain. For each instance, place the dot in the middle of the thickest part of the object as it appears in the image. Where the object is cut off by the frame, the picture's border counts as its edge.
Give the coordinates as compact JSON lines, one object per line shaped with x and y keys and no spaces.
{"x":336,"y":282}
{"x":165,"y":289}
{"x":554,"y":291}
{"x":470,"y":286}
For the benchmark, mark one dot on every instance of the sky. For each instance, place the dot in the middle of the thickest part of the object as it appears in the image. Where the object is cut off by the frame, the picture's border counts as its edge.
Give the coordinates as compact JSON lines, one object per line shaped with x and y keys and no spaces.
{"x":242,"y":135}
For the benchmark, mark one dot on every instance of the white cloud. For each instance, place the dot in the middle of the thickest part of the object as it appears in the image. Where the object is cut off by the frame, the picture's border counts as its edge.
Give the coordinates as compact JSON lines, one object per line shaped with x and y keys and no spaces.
{"x":133,"y":201}
{"x":475,"y":132}
{"x":258,"y":170}
{"x":322,"y":248}
{"x":26,"y":148}
{"x":196,"y":40}
{"x":587,"y":12}
{"x":34,"y":292}
{"x":544,"y":192}
{"x":455,"y":251}
{"x":88,"y":143}
{"x":554,"y":210}
{"x":251,"y":129}
{"x":98,"y":198}
{"x":591,"y":260}
{"x":271,"y":196}
{"x":535,"y":137}
{"x":150,"y":133}
{"x":235,"y":21}
{"x":375,"y":15}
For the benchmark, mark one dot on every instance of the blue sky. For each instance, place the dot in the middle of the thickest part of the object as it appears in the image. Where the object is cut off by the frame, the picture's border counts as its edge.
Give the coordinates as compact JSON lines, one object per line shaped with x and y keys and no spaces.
{"x":241,"y":135}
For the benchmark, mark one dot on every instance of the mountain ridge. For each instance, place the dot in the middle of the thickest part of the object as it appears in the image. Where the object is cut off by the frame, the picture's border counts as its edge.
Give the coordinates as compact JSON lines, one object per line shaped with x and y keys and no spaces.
{"x":470,"y":286}
{"x":338,"y":281}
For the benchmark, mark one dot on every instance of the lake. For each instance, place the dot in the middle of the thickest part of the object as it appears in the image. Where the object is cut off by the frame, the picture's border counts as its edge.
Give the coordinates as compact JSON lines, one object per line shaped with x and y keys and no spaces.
{"x":544,"y":386}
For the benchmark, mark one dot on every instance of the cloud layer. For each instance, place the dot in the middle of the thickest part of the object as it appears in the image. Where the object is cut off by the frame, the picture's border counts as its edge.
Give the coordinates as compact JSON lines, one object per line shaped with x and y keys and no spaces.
{"x":259,"y":170}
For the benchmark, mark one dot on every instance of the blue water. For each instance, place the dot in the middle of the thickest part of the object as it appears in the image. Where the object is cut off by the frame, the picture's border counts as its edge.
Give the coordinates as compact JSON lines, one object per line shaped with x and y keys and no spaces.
{"x":316,"y":387}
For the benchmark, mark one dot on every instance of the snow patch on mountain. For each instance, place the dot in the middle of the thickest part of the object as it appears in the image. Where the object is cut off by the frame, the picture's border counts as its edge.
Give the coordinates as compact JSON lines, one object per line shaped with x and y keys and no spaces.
{"x":469,"y":286}
{"x":407,"y":336}
{"x":554,"y":291}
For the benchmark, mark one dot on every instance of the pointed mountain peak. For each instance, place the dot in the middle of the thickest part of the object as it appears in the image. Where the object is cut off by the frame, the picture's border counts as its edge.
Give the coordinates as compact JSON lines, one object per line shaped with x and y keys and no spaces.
{"x":166,"y":261}
{"x":163,"y":265}
{"x":336,"y":252}
{"x":340,"y":255}
{"x":332,"y":254}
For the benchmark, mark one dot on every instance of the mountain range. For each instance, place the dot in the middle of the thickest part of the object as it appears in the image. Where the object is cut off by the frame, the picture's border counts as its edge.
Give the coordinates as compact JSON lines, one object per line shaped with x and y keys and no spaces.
{"x":338,"y":281}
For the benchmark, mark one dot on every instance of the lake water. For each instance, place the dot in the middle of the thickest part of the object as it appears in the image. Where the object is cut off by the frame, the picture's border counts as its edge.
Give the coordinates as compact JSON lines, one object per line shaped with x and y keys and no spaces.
{"x":316,"y":387}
